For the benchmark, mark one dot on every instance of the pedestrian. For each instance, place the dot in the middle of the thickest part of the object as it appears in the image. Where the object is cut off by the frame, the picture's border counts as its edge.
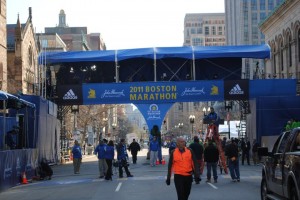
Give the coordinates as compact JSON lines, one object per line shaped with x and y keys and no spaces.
{"x":134,"y":147}
{"x":172,"y":146}
{"x":183,"y":163}
{"x":198,"y":151}
{"x":100,"y":152}
{"x":154,"y":145}
{"x":84,"y":149}
{"x":232,"y":153}
{"x":77,"y":157}
{"x":122,"y":157}
{"x":109,"y":156}
{"x":255,"y":146}
{"x":245,"y":146}
{"x":211,"y":157}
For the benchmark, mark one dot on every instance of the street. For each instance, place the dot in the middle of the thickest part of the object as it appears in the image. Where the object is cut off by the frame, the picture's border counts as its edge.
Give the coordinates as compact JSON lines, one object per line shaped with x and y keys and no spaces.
{"x":148,"y":183}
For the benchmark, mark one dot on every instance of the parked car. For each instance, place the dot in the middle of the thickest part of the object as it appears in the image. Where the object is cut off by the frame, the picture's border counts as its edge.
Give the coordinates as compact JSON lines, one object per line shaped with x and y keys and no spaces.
{"x":281,"y":167}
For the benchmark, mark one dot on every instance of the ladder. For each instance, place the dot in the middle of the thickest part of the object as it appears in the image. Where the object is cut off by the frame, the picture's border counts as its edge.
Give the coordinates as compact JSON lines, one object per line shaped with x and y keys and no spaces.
{"x":213,"y":134}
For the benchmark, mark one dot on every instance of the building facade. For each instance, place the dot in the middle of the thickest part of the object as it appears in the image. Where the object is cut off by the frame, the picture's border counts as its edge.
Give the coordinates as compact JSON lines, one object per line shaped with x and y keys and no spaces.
{"x":204,"y":29}
{"x":242,"y":19}
{"x":3,"y":46}
{"x":76,"y":38}
{"x":282,"y":33}
{"x":22,"y":57}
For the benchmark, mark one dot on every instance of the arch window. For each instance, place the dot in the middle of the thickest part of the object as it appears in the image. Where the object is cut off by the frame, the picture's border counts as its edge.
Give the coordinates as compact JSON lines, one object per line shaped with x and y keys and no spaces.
{"x":281,"y":55}
{"x":30,"y":56}
{"x":290,"y":49}
{"x":298,"y":44}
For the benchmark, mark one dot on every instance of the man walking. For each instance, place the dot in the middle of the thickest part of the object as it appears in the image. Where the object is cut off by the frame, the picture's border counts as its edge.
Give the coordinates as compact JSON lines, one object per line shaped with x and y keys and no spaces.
{"x":134,"y":147}
{"x":232,"y":153}
{"x":245,"y":146}
{"x":183,"y":163}
{"x":122,"y":159}
{"x":211,"y":157}
{"x":100,"y":151}
{"x":198,"y":151}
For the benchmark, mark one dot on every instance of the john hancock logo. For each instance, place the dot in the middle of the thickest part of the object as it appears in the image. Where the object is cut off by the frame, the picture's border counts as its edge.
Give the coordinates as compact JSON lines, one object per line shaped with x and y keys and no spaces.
{"x":92,"y":94}
{"x":192,"y":91}
{"x":214,"y":90}
{"x":153,"y":112}
{"x":112,"y":93}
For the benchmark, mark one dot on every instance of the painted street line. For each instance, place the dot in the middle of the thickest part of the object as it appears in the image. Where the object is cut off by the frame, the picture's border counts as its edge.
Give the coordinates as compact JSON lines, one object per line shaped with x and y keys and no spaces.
{"x":118,"y":187}
{"x":212,"y":186}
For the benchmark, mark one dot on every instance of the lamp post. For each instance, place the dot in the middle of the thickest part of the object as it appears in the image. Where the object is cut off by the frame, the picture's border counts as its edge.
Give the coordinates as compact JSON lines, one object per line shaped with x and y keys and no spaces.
{"x":180,"y":125}
{"x":192,"y":121}
{"x":114,"y":125}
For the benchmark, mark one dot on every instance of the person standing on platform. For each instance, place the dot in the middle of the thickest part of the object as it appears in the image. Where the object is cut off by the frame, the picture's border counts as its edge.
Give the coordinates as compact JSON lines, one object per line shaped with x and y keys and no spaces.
{"x":183,"y":163}
{"x":77,"y":157}
{"x":134,"y":147}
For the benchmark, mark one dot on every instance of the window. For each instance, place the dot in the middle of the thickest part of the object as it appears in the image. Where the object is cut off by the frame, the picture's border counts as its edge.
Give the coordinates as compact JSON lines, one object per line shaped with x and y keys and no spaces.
{"x":281,"y":55}
{"x":253,"y":5}
{"x":289,"y":41}
{"x":206,"y":29}
{"x":220,"y":30}
{"x":199,"y":30}
{"x":214,"y":30}
{"x":270,"y":5}
{"x":284,"y":140}
{"x":262,"y":5}
{"x":193,"y":31}
{"x":30,"y":56}
{"x":296,"y":146}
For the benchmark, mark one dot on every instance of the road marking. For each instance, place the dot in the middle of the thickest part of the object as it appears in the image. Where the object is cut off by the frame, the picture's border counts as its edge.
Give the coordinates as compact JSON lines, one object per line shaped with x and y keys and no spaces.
{"x":212,"y":186}
{"x":118,"y":187}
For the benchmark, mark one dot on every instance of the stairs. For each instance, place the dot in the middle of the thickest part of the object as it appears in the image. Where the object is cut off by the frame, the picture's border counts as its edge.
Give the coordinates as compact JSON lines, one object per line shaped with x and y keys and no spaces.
{"x":245,"y":109}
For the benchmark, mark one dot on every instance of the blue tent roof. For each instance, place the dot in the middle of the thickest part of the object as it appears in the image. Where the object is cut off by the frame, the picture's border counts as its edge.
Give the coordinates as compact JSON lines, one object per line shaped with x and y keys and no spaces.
{"x":188,"y":52}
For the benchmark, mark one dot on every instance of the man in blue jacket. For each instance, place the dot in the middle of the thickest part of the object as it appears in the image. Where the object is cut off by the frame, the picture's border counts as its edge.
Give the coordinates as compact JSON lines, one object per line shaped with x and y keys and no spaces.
{"x":100,"y":150}
{"x":154,"y":145}
{"x":122,"y":158}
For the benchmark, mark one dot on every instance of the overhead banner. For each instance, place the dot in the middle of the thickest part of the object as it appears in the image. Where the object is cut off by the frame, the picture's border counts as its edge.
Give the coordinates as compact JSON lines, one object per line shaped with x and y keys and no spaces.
{"x":171,"y":92}
{"x":236,"y":89}
{"x":152,"y":92}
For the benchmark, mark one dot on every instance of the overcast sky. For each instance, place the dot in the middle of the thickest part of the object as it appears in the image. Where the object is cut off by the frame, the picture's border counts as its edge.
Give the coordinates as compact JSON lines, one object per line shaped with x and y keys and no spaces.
{"x":123,"y":24}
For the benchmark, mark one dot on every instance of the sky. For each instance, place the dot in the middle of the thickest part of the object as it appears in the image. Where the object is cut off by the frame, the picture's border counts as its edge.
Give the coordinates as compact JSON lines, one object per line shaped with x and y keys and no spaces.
{"x":123,"y":24}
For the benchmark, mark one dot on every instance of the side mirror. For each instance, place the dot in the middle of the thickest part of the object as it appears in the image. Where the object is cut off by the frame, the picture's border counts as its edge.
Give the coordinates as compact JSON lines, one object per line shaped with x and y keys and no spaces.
{"x":262,"y":151}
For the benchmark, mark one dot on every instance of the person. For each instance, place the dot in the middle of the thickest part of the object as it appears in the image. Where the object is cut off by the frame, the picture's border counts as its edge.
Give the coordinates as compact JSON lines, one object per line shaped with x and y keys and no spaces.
{"x":211,"y":157}
{"x":213,"y":116}
{"x":154,"y":145}
{"x":232,"y":153}
{"x":77,"y":157}
{"x":255,"y":146}
{"x":172,"y":146}
{"x":198,"y":151}
{"x":45,"y":170}
{"x":84,"y":149}
{"x":183,"y":163}
{"x":245,"y":146}
{"x":134,"y":147}
{"x":122,"y":157}
{"x":100,"y":152}
{"x":109,"y":156}
{"x":10,"y":139}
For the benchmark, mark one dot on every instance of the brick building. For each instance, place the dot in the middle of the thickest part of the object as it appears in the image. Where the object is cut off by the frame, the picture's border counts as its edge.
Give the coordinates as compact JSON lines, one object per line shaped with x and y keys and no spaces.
{"x":22,"y":57}
{"x":3,"y":46}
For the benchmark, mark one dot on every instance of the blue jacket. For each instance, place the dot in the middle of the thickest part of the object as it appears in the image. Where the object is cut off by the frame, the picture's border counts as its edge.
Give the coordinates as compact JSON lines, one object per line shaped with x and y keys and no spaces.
{"x":109,"y":153}
{"x":100,"y":150}
{"x":154,"y":145}
{"x":76,"y":151}
{"x":122,"y":152}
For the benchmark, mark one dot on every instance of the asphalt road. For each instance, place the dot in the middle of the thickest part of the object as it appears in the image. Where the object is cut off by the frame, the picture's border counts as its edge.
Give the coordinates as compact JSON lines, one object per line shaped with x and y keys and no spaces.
{"x":148,"y":183}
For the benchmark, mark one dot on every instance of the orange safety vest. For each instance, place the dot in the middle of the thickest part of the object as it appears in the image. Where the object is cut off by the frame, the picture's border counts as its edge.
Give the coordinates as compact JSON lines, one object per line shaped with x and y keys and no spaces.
{"x":182,"y":162}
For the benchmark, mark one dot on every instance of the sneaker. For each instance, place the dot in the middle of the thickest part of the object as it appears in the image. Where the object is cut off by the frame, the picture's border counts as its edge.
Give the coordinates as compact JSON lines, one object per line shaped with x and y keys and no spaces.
{"x":233,"y":180}
{"x":208,"y":181}
{"x":129,"y":175}
{"x":215,"y":181}
{"x":238,"y":180}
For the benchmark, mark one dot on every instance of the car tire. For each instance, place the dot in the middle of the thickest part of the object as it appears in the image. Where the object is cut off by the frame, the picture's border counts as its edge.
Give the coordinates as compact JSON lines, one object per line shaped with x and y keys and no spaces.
{"x":293,"y":193}
{"x":264,"y":191}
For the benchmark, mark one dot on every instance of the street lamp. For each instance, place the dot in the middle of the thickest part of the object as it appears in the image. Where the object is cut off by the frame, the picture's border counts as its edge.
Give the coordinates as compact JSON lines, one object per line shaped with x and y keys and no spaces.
{"x":114,"y":125}
{"x":192,"y":121}
{"x":180,"y":125}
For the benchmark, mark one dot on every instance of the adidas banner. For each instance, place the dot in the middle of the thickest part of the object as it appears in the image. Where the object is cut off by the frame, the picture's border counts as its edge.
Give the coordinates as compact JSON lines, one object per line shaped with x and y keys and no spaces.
{"x":70,"y":95}
{"x":236,"y":90}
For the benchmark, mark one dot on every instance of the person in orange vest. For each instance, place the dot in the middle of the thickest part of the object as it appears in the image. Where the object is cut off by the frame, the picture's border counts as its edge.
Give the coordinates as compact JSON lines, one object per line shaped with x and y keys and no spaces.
{"x":183,"y":163}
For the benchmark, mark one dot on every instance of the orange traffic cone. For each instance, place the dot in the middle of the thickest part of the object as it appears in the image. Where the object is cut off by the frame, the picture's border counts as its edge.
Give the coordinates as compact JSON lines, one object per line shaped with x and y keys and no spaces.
{"x":163,"y":162}
{"x":157,"y":162}
{"x":24,"y":179}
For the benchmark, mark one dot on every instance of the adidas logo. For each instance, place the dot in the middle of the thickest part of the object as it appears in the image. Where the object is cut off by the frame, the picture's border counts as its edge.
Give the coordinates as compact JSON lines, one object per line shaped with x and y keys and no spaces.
{"x":236,"y":90}
{"x":70,"y":95}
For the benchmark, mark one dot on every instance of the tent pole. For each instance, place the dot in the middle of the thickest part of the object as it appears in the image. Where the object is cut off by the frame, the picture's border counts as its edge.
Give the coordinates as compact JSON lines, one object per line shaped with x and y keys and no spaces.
{"x":4,"y":124}
{"x":154,"y":54}
{"x":116,"y":67}
{"x":194,"y":70}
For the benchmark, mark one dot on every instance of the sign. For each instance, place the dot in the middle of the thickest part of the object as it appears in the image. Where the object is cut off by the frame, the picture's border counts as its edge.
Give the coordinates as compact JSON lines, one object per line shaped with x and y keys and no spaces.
{"x":236,"y":89}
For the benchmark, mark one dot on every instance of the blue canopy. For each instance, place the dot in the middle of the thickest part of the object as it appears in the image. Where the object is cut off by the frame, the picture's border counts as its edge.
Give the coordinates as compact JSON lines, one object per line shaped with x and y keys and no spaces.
{"x":188,"y":52}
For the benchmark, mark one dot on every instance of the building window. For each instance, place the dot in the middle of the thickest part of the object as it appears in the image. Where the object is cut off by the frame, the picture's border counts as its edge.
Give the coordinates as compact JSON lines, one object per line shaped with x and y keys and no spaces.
{"x":199,"y":30}
{"x":30,"y":56}
{"x":193,"y":31}
{"x":214,"y":30}
{"x":206,"y":28}
{"x":299,"y":45}
{"x":281,"y":55}
{"x":253,"y":5}
{"x":270,"y":5}
{"x":262,"y":5}
{"x":290,"y":49}
{"x":220,"y":30}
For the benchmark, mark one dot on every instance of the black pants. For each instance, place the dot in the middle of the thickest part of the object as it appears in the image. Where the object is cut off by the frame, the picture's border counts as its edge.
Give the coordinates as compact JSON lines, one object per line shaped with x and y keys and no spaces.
{"x":122,"y":164}
{"x":134,"y":157}
{"x":109,"y":169}
{"x":245,"y":153}
{"x":183,"y":186}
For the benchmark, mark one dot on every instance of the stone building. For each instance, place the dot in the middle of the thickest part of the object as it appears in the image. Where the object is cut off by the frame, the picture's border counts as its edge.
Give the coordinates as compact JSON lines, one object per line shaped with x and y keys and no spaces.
{"x":22,"y":57}
{"x":282,"y":33}
{"x":3,"y":46}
